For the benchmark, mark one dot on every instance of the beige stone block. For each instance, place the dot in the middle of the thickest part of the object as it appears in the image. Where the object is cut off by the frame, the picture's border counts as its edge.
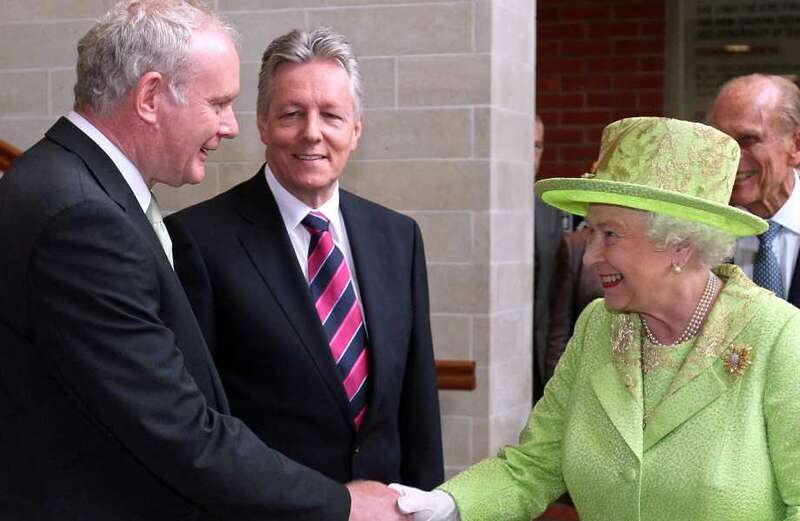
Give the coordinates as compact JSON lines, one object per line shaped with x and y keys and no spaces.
{"x":402,"y":29}
{"x":62,"y":96}
{"x":511,"y":385}
{"x":232,"y":174}
{"x":512,"y":236}
{"x":510,"y":336}
{"x":512,"y":286}
{"x":481,"y":237}
{"x":447,"y":235}
{"x":481,"y":132}
{"x":452,"y":336}
{"x":458,"y":288}
{"x":415,"y":134}
{"x":248,"y":88}
{"x":247,"y":146}
{"x":445,"y":80}
{"x":259,"y":28}
{"x":473,"y":403}
{"x":512,"y":136}
{"x":483,"y":26}
{"x":512,"y":186}
{"x":512,"y":36}
{"x":25,"y":10}
{"x":481,"y":440}
{"x":171,"y":199}
{"x":378,"y":80}
{"x":35,"y":45}
{"x":482,"y":340}
{"x":23,"y":93}
{"x":24,"y":132}
{"x":504,"y":429}
{"x":512,"y":85}
{"x":421,"y":185}
{"x":457,"y":440}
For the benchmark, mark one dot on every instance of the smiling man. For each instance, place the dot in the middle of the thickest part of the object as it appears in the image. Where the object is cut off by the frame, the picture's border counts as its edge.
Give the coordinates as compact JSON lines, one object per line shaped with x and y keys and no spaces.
{"x":762,"y":113}
{"x":315,"y":301}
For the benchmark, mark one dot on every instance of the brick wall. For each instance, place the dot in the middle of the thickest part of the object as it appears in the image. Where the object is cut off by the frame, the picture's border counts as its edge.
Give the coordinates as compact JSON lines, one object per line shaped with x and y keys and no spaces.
{"x":597,"y":62}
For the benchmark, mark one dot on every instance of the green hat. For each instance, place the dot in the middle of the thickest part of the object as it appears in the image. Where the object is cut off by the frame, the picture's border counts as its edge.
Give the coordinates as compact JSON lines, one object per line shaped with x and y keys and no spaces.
{"x":678,"y":168}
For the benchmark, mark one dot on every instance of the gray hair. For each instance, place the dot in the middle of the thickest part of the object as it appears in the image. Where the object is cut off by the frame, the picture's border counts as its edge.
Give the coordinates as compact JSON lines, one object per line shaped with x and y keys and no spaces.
{"x":136,"y":37}
{"x":712,"y":246}
{"x":298,"y":46}
{"x":788,"y":103}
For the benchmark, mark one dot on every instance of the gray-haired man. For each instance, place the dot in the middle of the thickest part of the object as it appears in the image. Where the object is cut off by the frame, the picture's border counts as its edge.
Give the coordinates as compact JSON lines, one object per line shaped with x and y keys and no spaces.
{"x":313,"y":300}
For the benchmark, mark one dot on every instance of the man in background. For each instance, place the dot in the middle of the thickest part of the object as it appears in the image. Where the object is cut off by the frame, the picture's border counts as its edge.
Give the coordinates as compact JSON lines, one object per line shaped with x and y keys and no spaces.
{"x":110,"y":404}
{"x":549,"y":225}
{"x":762,"y":112}
{"x":315,"y":301}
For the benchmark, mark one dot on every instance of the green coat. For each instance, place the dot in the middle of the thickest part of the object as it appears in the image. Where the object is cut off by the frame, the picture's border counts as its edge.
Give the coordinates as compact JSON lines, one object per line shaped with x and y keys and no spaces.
{"x":719,"y":446}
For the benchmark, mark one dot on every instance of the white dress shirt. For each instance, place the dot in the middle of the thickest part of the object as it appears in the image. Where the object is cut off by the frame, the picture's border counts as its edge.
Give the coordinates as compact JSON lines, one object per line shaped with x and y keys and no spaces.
{"x":785,"y":244}
{"x":128,"y":170}
{"x":293,"y":211}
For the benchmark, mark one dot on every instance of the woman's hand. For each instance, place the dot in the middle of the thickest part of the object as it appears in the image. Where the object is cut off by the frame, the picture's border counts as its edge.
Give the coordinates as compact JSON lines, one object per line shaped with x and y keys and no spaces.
{"x":426,"y":506}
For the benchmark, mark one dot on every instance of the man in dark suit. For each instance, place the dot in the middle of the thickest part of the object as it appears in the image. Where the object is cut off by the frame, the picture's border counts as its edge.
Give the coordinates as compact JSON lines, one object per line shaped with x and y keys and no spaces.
{"x":315,"y":301}
{"x":762,"y":112}
{"x":110,"y":405}
{"x":550,"y":224}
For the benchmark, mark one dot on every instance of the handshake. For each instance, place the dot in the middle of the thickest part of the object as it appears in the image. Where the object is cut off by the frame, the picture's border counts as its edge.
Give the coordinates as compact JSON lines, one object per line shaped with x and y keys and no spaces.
{"x":373,"y":501}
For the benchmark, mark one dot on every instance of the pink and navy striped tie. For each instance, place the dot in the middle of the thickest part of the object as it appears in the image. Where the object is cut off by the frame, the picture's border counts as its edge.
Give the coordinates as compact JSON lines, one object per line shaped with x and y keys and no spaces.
{"x":334,"y":296}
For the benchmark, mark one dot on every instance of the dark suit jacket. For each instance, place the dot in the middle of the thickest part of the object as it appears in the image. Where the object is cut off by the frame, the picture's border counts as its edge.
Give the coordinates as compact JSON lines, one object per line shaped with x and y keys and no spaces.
{"x":237,"y":264}
{"x":548,"y":228}
{"x":574,"y":286}
{"x":794,"y":290}
{"x":110,"y":405}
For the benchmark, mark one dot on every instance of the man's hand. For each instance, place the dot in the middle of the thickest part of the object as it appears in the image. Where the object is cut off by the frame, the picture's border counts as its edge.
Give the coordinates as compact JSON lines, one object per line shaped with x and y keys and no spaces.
{"x":373,"y":501}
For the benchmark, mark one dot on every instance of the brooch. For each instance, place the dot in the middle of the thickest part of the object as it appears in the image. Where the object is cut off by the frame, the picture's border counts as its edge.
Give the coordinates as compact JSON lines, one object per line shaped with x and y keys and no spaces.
{"x":738,"y":360}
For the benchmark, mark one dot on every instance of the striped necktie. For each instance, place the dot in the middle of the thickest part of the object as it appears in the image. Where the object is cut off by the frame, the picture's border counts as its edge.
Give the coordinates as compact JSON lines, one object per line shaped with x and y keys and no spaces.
{"x":335,"y":298}
{"x":766,"y":269}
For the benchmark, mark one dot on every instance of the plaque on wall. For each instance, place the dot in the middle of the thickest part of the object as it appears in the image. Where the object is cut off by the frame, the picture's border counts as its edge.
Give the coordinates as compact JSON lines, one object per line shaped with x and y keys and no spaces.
{"x":711,"y":41}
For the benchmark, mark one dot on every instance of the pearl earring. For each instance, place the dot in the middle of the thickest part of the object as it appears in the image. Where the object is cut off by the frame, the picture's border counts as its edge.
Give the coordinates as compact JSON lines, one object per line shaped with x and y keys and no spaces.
{"x":676,"y":269}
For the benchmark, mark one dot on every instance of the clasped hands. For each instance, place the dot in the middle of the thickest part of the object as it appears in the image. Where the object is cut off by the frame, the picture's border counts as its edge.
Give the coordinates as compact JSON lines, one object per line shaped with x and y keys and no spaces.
{"x":373,"y":501}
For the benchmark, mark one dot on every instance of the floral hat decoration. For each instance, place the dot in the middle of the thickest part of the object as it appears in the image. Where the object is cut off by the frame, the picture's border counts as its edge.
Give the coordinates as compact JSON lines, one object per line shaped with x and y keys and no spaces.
{"x":679,"y":168}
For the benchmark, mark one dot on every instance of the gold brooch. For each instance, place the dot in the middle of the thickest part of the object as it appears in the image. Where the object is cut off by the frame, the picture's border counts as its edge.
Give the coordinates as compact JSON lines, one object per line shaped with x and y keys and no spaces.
{"x":738,"y":360}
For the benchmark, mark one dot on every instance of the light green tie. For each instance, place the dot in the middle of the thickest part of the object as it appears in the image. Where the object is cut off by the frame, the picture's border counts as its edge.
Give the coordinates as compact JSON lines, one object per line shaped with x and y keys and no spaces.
{"x":157,"y":221}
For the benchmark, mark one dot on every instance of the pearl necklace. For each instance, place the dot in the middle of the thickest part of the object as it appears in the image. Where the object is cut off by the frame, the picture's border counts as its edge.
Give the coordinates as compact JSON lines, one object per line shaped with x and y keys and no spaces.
{"x":699,"y":315}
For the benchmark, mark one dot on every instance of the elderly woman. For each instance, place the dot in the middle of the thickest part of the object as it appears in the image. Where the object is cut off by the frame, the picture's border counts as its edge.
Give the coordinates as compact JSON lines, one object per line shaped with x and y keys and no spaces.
{"x":678,"y":396}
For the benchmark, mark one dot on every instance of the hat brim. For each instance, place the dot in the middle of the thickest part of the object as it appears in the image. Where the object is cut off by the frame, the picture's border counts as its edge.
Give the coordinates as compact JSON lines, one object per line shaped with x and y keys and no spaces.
{"x":574,"y":195}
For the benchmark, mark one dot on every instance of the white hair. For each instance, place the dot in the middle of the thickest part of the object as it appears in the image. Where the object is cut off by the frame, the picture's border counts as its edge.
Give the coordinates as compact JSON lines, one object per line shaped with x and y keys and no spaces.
{"x":712,"y":246}
{"x":136,"y":37}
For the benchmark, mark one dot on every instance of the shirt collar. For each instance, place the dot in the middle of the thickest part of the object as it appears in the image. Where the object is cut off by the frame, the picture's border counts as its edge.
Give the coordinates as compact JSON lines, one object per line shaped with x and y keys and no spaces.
{"x":128,"y":170}
{"x":788,"y":216}
{"x":293,"y":210}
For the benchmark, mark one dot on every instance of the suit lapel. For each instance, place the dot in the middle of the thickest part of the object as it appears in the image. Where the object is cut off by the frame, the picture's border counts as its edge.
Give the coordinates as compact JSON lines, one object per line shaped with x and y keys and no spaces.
{"x":374,"y":284}
{"x":110,"y":179}
{"x":264,"y":238}
{"x":702,"y":377}
{"x":107,"y":176}
{"x":618,"y":384}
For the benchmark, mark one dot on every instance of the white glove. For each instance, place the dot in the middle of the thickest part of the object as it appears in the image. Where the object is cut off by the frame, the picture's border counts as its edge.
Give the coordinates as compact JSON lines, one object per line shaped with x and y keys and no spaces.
{"x":426,"y":506}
